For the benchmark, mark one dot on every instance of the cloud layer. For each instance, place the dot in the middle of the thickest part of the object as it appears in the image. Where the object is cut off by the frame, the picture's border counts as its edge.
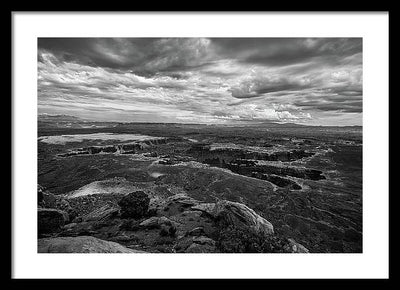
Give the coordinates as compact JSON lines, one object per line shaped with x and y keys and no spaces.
{"x":198,"y":80}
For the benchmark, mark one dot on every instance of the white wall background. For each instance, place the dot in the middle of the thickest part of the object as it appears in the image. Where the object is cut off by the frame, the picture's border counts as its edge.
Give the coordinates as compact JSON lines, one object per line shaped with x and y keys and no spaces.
{"x":372,"y":263}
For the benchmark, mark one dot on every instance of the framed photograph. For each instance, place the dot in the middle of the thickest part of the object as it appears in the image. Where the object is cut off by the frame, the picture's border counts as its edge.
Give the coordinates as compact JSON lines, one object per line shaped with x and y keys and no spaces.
{"x":200,"y":145}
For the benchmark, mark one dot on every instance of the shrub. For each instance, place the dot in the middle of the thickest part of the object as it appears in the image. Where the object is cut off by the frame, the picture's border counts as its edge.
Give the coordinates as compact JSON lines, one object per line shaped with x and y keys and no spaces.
{"x":172,"y":231}
{"x":241,"y":240}
{"x":164,"y":232}
{"x":134,"y":205}
{"x":151,"y":212}
{"x":129,"y":225}
{"x":168,"y":231}
{"x":164,"y":240}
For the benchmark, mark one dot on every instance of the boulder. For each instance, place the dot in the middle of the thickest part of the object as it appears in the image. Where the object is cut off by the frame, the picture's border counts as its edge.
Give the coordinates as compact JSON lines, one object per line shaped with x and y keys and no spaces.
{"x":134,"y":205}
{"x":236,"y":214}
{"x":239,"y":215}
{"x":51,"y":220}
{"x":81,"y":244}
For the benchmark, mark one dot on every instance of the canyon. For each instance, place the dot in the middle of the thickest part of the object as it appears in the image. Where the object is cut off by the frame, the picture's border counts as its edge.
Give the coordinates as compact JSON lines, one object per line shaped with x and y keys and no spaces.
{"x":306,"y":183}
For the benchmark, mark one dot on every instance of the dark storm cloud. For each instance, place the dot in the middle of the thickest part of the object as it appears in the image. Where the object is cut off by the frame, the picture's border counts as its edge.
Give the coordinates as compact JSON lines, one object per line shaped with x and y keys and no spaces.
{"x":347,"y":91}
{"x":332,"y":105}
{"x":143,"y":55}
{"x":185,"y":53}
{"x":296,"y":64}
{"x":288,"y":51}
{"x":103,"y":52}
{"x":261,"y":85}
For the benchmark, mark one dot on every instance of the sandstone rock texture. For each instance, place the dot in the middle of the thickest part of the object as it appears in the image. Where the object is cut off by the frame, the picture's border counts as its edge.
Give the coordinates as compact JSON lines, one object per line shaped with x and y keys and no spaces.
{"x":178,"y":224}
{"x":236,"y":214}
{"x":82,"y":244}
{"x":239,"y":215}
{"x":101,"y":213}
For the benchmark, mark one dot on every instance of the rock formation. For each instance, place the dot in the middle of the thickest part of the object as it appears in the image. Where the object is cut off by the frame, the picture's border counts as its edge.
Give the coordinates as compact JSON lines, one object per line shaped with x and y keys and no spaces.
{"x":51,"y":220}
{"x":82,"y":244}
{"x":135,"y":204}
{"x":176,"y":223}
{"x":246,"y":162}
{"x":129,"y":148}
{"x":238,"y":215}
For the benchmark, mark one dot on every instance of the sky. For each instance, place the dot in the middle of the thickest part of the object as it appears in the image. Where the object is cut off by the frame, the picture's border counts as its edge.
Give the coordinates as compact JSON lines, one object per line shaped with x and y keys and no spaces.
{"x":311,"y":81}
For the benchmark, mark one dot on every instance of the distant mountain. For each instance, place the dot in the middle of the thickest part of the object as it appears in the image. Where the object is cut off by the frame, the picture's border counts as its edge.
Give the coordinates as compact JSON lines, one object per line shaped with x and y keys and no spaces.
{"x":273,"y":124}
{"x":63,"y":119}
{"x":276,"y":124}
{"x":263,"y":124}
{"x":59,"y":118}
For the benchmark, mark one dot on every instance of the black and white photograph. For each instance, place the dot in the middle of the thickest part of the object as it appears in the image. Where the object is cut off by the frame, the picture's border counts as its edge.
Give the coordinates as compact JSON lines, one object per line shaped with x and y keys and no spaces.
{"x":200,"y":145}
{"x":203,"y":145}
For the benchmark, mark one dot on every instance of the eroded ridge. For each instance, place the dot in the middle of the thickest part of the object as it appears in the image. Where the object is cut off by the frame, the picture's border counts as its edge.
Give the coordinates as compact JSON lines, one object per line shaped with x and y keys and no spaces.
{"x":265,"y":164}
{"x":229,"y":152}
{"x":129,"y":148}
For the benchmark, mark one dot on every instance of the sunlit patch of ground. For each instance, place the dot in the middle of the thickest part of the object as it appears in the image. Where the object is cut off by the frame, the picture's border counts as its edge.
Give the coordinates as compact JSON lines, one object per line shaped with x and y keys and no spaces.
{"x":156,"y":174}
{"x":115,"y":185}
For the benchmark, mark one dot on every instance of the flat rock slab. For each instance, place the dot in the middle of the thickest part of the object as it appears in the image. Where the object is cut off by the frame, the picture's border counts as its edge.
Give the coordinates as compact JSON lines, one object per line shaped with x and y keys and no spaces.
{"x":155,"y":222}
{"x":101,"y":213}
{"x":81,"y":244}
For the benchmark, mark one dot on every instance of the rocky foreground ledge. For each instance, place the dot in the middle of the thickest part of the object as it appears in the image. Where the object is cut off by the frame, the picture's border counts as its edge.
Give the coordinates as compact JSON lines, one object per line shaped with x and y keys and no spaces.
{"x":81,"y":244}
{"x":139,"y":223}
